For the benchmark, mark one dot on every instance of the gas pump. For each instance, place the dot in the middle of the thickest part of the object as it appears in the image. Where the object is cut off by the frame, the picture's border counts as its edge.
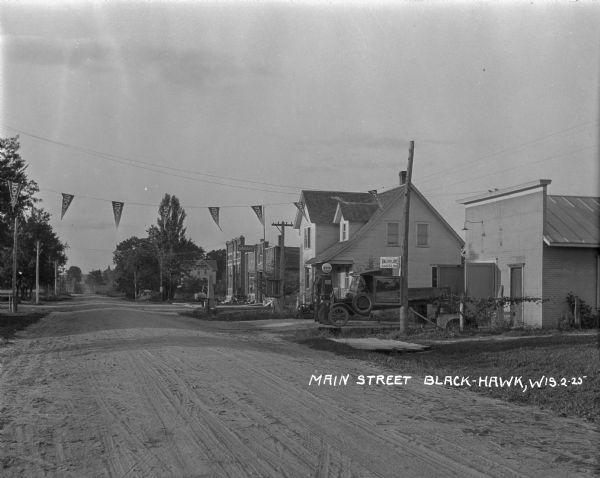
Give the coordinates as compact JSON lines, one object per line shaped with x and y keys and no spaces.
{"x":322,"y":294}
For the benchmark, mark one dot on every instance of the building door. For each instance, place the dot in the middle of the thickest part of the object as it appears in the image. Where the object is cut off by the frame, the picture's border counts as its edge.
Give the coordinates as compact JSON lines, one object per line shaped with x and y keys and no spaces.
{"x":516,"y":291}
{"x":481,"y":279}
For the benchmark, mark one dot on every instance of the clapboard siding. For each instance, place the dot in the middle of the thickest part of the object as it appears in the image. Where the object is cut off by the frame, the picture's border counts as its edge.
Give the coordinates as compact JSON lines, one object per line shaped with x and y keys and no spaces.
{"x":322,"y":236}
{"x":444,"y":247}
{"x":568,"y":269}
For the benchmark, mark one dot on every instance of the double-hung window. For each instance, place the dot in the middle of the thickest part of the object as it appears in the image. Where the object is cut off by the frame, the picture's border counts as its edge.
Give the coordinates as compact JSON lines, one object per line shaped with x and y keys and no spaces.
{"x":422,"y":234}
{"x":307,"y":238}
{"x":393,"y":234}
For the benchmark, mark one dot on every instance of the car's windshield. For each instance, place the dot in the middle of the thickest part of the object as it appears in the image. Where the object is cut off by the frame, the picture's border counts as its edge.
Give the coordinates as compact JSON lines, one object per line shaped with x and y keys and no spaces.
{"x":357,"y":284}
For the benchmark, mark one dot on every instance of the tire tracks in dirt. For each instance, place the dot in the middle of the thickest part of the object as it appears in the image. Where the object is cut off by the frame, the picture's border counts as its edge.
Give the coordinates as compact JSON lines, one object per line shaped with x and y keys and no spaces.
{"x":135,"y":397}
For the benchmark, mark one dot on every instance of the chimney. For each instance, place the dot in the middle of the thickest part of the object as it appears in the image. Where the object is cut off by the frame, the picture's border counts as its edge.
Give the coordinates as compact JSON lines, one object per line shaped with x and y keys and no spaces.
{"x":402,"y":177}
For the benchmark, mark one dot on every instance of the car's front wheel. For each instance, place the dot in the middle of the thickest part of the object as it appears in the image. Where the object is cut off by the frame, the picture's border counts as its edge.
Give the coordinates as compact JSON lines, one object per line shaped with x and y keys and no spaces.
{"x":339,"y":315}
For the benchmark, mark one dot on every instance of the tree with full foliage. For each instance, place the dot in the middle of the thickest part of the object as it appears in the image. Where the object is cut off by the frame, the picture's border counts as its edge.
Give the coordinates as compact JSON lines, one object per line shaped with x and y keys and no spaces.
{"x":174,"y":252}
{"x":36,"y":228}
{"x":13,"y":168}
{"x":135,"y":266}
{"x":74,"y":274}
{"x":33,"y":225}
{"x":219,"y":255}
{"x":108,"y":277}
{"x":160,"y":261}
{"x":94,"y":279}
{"x":74,"y":279}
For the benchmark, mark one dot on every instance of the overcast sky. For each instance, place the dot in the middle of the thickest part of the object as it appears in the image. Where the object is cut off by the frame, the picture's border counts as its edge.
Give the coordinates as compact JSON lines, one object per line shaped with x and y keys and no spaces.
{"x":233,"y":104}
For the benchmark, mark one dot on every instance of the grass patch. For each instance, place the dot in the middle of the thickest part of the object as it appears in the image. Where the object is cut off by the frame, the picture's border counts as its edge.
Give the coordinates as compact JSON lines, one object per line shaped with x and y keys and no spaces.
{"x":10,"y":324}
{"x":557,"y":356}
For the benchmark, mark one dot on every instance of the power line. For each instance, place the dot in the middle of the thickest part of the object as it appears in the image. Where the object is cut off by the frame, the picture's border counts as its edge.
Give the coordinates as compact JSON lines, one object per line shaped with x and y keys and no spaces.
{"x":551,"y":158}
{"x":150,"y":166}
{"x":136,"y":163}
{"x":522,"y":165}
{"x":513,"y":148}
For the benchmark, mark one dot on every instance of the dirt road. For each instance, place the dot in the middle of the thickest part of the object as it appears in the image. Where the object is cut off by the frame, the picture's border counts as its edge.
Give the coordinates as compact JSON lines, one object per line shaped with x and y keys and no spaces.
{"x":109,"y":389}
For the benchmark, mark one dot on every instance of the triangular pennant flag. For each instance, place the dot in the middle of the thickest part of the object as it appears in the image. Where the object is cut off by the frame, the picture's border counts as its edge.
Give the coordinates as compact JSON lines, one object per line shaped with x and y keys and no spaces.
{"x":15,"y":189}
{"x":259,"y":213}
{"x":300,"y":206}
{"x":66,"y":201}
{"x":117,"y":210}
{"x":214,"y":212}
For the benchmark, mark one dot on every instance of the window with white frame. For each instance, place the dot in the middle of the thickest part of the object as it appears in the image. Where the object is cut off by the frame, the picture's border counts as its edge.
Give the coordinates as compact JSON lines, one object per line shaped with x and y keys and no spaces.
{"x":344,"y":231}
{"x":307,"y":238}
{"x":422,"y":234}
{"x":393,"y":234}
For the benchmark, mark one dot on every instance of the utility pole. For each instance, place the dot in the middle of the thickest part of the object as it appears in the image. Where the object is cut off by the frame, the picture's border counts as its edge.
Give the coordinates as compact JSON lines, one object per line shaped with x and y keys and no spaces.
{"x":37,"y":272}
{"x":55,"y":278}
{"x":135,"y":294}
{"x":14,"y":271}
{"x":14,"y":188}
{"x":404,"y":263}
{"x":281,"y":227}
{"x":263,"y":280}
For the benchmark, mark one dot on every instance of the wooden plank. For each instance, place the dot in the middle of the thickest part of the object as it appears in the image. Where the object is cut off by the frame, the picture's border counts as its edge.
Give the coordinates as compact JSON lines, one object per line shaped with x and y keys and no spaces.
{"x":423,"y":317}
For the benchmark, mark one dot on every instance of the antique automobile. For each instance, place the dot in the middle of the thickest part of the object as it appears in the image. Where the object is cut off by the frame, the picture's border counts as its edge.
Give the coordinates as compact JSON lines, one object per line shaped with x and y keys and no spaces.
{"x":369,"y":291}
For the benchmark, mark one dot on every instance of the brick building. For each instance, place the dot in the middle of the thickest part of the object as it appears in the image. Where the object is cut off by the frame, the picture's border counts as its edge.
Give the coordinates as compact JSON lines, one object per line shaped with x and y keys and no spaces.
{"x":253,"y":270}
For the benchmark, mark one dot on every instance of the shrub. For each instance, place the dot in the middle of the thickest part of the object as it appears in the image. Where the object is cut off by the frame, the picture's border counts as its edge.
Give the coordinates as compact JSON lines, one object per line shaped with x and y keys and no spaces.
{"x":588,"y":319}
{"x":483,"y":312}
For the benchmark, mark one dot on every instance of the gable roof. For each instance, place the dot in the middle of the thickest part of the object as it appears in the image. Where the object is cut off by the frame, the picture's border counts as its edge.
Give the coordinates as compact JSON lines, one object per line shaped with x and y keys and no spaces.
{"x":355,"y":212}
{"x":387,"y":200}
{"x":321,"y":205}
{"x":572,"y":221}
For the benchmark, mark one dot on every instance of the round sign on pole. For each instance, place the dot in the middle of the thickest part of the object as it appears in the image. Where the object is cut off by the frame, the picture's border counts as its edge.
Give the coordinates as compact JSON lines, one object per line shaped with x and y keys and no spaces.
{"x":326,"y":268}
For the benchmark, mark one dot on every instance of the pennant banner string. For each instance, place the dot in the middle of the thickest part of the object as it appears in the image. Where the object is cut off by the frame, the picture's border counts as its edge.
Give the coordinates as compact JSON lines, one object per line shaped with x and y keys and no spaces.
{"x":157,"y":205}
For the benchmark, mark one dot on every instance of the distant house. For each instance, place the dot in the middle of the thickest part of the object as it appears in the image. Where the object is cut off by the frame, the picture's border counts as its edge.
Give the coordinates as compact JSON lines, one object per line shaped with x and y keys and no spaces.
{"x":205,"y":271}
{"x":522,"y":242}
{"x":352,"y":231}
